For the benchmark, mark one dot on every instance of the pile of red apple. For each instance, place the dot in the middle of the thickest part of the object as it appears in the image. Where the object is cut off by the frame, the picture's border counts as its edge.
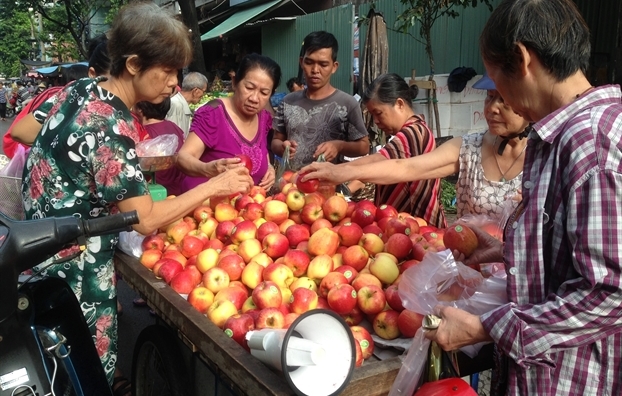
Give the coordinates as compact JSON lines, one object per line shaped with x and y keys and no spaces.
{"x":251,"y":261}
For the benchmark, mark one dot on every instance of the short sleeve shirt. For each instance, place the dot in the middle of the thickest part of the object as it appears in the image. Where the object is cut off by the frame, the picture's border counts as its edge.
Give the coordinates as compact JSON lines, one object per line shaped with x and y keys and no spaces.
{"x":84,"y":160}
{"x":311,"y":122}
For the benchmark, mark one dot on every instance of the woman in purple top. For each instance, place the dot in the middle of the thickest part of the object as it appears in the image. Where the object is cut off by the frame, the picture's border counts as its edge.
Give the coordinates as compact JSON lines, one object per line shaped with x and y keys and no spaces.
{"x":238,"y":124}
{"x":153,"y":119}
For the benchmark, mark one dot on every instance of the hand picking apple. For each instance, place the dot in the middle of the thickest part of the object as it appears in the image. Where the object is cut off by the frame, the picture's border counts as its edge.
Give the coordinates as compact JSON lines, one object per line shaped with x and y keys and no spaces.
{"x":489,"y":250}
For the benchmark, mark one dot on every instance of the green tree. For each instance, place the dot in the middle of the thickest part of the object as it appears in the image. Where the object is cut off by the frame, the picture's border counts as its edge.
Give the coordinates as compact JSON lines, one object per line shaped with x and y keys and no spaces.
{"x":426,"y":13}
{"x":14,"y":27}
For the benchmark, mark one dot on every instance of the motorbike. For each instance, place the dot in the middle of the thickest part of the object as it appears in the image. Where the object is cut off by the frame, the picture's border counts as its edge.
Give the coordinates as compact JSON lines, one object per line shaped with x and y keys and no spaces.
{"x":46,"y":347}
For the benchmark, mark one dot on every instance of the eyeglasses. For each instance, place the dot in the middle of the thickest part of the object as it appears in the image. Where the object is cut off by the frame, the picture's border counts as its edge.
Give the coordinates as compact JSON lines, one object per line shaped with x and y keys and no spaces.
{"x":203,"y":90}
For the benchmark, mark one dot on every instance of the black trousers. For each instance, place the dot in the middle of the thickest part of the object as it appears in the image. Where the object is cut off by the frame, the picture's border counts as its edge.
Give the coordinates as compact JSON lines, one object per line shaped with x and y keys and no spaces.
{"x":3,"y":110}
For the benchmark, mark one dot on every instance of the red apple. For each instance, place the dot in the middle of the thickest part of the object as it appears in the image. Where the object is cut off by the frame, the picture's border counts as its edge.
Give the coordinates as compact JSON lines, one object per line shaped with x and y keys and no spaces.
{"x":349,"y":272}
{"x":371,"y":299}
{"x":201,"y":298}
{"x":307,"y":186}
{"x":202,"y":213}
{"x":249,"y":249}
{"x":372,"y":243}
{"x":342,"y":298}
{"x":354,"y":317}
{"x":297,"y":260}
{"x":399,"y":245}
{"x":267,"y":294}
{"x":408,"y":322}
{"x":356,"y":257}
{"x":153,"y":242}
{"x":252,"y":211}
{"x":393,"y":298}
{"x":237,"y":326}
{"x":385,"y":325}
{"x":364,"y":339}
{"x":191,"y":246}
{"x":350,"y":234}
{"x":184,"y":281}
{"x":246,"y":161}
{"x":373,"y":229}
{"x":276,"y":211}
{"x":363,"y":217}
{"x":297,"y":233}
{"x":168,"y":269}
{"x":233,"y":264}
{"x":275,"y":244}
{"x":461,"y":238}
{"x":278,"y":273}
{"x":395,"y":225}
{"x":177,"y":232}
{"x":358,"y":361}
{"x":242,"y":231}
{"x":223,"y":231}
{"x":331,"y":280}
{"x":364,"y":279}
{"x":323,"y":241}
{"x":289,"y":319}
{"x":270,"y":318}
{"x":385,"y":211}
{"x":150,"y":257}
{"x":407,"y":264}
{"x":311,"y":212}
{"x":235,"y":294}
{"x":225,"y":212}
{"x":303,"y":300}
{"x":266,"y":228}
{"x":420,"y":249}
{"x":320,"y":266}
{"x":335,"y":208}
{"x":242,"y":202}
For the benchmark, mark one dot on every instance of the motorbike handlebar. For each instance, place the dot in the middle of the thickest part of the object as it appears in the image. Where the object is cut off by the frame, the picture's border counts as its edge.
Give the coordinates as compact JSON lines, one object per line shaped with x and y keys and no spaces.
{"x":110,"y":224}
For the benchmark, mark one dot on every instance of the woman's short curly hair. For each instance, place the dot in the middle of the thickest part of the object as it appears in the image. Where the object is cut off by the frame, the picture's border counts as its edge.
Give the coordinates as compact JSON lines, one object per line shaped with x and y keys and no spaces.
{"x":156,"y":37}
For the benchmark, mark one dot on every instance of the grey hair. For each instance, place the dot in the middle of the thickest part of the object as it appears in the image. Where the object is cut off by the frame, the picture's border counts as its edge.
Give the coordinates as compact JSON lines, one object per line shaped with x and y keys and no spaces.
{"x":193,"y":80}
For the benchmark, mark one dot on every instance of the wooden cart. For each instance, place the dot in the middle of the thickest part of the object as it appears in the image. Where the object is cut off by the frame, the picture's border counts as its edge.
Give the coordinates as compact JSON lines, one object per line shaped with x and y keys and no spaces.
{"x":212,"y":363}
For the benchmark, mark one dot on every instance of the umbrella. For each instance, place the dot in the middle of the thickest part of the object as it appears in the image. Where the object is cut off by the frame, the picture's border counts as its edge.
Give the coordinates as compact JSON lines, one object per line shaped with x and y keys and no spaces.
{"x":375,"y":63}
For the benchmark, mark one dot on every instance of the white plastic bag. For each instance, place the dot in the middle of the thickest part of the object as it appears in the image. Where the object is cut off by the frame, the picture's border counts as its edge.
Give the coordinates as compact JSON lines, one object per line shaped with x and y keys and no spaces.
{"x":15,"y":167}
{"x":130,"y":243}
{"x":413,"y":366}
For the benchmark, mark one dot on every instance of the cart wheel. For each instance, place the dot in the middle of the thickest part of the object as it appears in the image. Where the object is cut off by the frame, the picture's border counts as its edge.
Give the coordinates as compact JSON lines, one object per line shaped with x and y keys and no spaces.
{"x":157,"y":366}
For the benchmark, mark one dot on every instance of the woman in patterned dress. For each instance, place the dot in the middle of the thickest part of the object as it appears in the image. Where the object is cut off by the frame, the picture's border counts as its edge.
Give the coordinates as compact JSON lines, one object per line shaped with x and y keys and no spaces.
{"x":83,"y":162}
{"x":234,"y":125}
{"x":489,"y":163}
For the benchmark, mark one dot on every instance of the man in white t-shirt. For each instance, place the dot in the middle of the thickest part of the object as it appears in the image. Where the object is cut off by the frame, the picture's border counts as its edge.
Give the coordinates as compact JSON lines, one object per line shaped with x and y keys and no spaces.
{"x":192,"y":89}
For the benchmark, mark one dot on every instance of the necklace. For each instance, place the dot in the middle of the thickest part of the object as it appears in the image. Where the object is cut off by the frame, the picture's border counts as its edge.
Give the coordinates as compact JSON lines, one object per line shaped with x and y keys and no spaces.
{"x":503,"y":180}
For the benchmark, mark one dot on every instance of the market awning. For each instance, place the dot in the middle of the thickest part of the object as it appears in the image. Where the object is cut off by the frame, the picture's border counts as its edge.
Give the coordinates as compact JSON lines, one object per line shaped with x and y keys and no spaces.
{"x":55,"y":69}
{"x":238,"y":19}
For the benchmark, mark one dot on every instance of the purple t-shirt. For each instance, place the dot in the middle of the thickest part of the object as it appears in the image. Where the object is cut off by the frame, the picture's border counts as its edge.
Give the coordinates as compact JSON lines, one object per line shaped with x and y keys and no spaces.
{"x":221,"y":137}
{"x":171,"y":178}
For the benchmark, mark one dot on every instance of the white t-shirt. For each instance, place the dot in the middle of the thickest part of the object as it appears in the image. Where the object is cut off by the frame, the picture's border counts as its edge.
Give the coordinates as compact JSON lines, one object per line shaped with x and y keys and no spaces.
{"x":180,"y":113}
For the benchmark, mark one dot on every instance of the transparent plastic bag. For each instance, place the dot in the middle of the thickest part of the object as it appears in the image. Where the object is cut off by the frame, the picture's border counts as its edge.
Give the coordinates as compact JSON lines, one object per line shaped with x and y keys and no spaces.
{"x":161,"y":146}
{"x":441,"y":280}
{"x":283,"y":165}
{"x":15,"y":167}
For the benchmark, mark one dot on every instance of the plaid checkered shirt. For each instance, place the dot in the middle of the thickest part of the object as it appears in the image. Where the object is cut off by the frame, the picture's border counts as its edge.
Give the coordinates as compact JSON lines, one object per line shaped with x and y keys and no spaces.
{"x":562,"y":330}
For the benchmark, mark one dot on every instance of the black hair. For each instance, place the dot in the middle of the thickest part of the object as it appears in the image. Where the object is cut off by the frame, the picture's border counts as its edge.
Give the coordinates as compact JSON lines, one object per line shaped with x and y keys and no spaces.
{"x":387,"y":89}
{"x":75,"y":72}
{"x":256,"y":61}
{"x":290,"y":83}
{"x":316,"y":41}
{"x":152,"y":110}
{"x":98,"y":55}
{"x":553,"y":29}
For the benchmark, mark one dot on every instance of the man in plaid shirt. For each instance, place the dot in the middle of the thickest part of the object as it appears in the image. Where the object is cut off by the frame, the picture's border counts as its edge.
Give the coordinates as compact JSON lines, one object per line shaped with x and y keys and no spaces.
{"x":561,"y":332}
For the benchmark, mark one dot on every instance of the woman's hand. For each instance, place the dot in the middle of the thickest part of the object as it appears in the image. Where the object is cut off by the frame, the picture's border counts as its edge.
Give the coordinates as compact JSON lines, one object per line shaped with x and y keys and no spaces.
{"x":326,"y":171}
{"x":458,"y":328}
{"x":489,"y":250}
{"x":268,"y":179}
{"x":292,"y":147}
{"x":235,"y":180}
{"x":216,"y":167}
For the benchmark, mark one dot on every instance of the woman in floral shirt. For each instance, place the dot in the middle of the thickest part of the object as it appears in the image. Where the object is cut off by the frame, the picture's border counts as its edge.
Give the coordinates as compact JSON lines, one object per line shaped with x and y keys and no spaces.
{"x":83,"y":163}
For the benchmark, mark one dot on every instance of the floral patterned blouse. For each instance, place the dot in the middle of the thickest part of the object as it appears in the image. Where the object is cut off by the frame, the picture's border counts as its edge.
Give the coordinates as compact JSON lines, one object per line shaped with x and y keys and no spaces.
{"x":81,"y":164}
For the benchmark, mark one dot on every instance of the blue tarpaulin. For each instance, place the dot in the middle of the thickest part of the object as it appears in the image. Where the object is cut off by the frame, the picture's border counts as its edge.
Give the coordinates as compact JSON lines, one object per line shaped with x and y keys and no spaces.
{"x":55,"y":69}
